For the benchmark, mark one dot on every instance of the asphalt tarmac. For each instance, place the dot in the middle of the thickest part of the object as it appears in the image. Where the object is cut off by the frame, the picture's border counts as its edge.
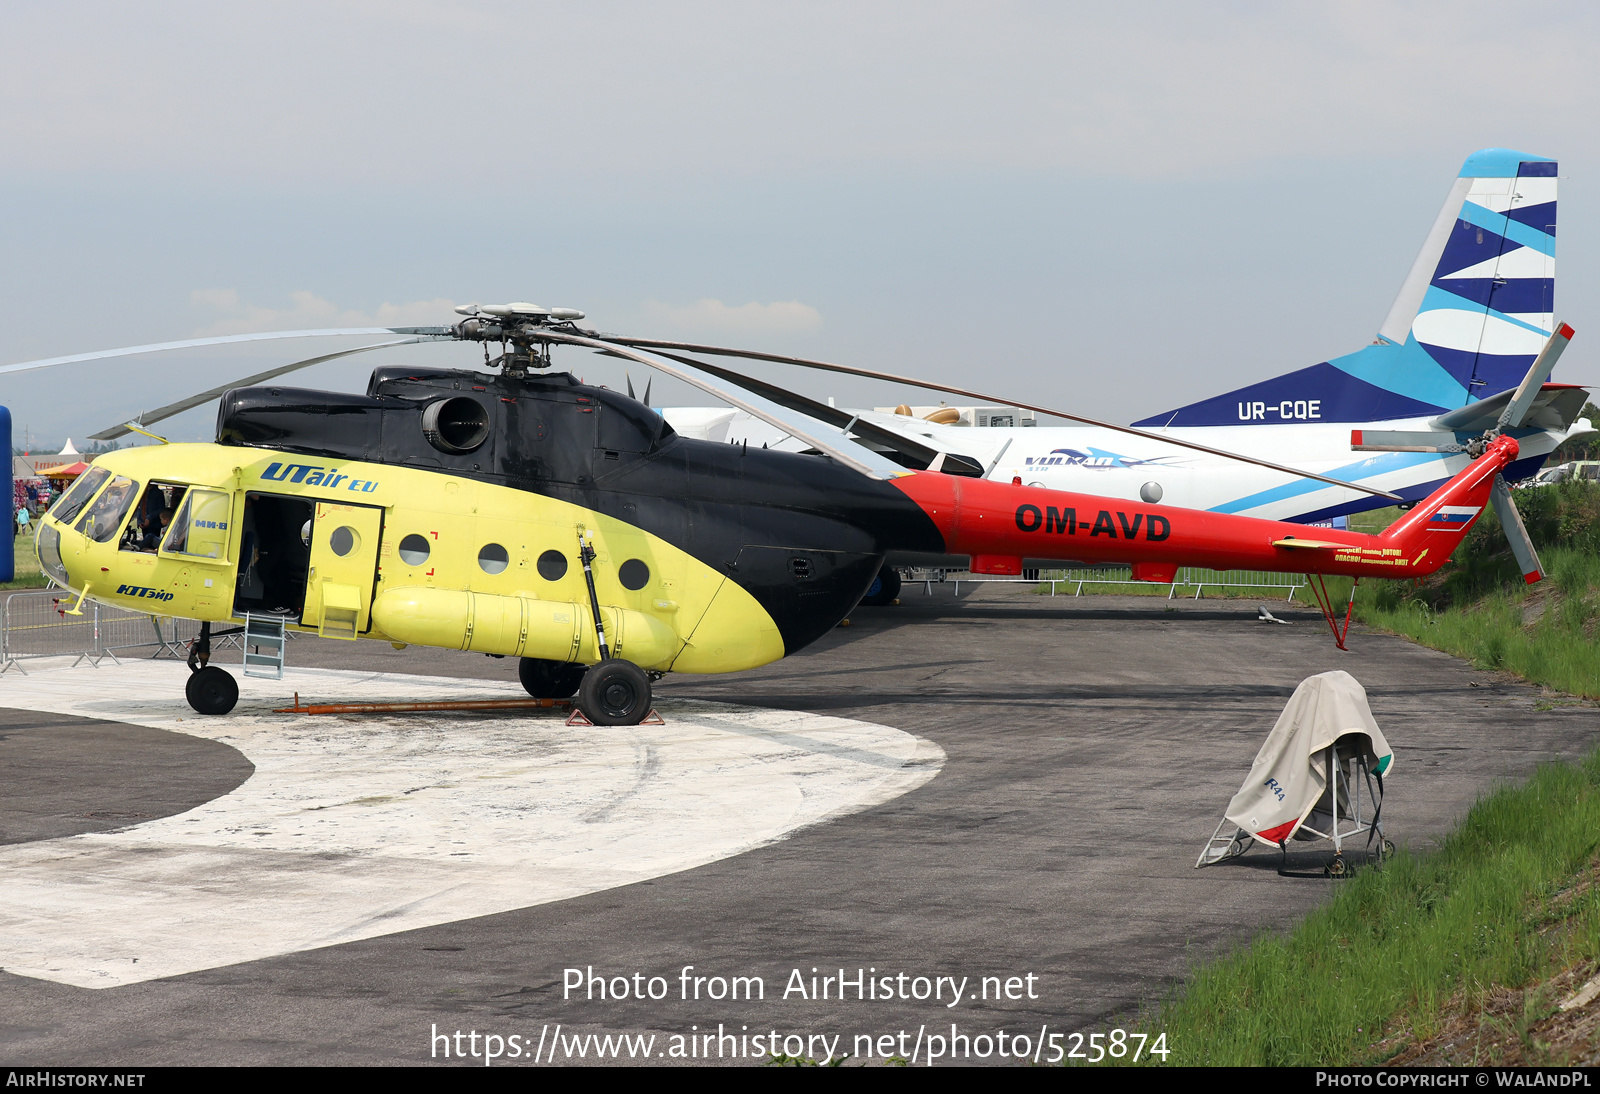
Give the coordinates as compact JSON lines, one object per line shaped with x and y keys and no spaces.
{"x":1091,"y":745}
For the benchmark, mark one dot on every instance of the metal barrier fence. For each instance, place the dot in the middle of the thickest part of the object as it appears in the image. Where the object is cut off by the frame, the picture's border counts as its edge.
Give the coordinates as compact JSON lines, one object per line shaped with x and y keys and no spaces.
{"x":1187,"y":577}
{"x":37,"y":625}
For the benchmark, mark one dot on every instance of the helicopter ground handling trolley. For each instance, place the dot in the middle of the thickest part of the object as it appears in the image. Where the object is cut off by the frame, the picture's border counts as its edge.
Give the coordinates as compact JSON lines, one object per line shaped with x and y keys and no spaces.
{"x":1318,"y":777}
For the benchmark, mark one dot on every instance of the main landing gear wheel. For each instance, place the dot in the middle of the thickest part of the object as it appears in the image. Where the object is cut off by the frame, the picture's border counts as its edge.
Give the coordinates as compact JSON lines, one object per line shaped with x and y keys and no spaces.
{"x":884,"y":588}
{"x":211,"y":690}
{"x":549,"y":679}
{"x":615,"y":693}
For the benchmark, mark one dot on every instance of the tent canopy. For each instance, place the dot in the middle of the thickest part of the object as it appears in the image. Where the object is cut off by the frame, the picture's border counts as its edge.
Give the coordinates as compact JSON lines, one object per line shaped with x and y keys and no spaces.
{"x":71,"y":470}
{"x":1290,"y":773}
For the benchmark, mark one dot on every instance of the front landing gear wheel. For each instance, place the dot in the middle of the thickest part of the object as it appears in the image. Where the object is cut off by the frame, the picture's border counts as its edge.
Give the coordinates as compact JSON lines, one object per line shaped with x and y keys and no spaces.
{"x":884,"y":588}
{"x":615,"y":693}
{"x":211,"y":690}
{"x":1337,"y":868}
{"x":549,"y":679}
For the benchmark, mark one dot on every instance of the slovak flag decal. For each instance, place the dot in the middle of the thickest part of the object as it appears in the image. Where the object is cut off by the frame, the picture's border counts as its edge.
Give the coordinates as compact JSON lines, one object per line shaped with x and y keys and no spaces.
{"x":1453,"y":516}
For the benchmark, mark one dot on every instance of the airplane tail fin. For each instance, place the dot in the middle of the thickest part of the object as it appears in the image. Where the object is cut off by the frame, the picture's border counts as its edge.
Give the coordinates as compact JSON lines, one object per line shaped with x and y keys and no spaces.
{"x":1470,"y":317}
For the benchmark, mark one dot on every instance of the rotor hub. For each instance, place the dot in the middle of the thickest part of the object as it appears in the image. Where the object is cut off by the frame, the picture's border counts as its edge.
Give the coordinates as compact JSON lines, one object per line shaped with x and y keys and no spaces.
{"x":518,"y":327}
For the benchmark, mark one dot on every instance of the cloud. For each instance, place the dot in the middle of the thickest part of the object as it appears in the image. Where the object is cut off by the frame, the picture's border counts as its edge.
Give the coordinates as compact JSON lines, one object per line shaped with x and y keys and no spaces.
{"x":715,"y":89}
{"x":309,"y":312}
{"x":782,"y":316}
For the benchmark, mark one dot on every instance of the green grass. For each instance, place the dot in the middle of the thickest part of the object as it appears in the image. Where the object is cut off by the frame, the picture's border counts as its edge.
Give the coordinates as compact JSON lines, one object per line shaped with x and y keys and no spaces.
{"x":1544,"y":635}
{"x":1478,"y":607}
{"x":1405,"y":947}
{"x":1399,"y":952}
{"x":27,"y":569}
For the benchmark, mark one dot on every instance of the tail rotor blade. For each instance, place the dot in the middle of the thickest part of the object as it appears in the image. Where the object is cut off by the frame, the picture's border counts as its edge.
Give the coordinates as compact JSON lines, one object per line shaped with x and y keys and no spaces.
{"x":1543,"y":365}
{"x":1516,"y":534}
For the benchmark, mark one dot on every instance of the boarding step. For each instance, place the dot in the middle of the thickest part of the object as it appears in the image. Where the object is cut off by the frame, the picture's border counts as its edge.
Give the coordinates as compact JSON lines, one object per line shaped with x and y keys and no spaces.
{"x":264,"y":639}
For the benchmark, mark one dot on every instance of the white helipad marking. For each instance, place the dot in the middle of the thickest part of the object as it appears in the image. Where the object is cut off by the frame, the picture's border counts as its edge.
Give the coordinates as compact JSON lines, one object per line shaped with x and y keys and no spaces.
{"x":361,"y":825}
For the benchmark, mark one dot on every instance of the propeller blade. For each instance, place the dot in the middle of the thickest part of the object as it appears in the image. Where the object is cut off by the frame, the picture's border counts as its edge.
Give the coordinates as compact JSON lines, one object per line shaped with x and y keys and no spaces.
{"x":1516,"y":533}
{"x":629,"y":378}
{"x":839,"y":419}
{"x":981,"y":397}
{"x":1516,"y":410}
{"x":861,"y":459}
{"x":648,"y":380}
{"x":150,"y":417}
{"x":1392,"y":440}
{"x":424,"y":334}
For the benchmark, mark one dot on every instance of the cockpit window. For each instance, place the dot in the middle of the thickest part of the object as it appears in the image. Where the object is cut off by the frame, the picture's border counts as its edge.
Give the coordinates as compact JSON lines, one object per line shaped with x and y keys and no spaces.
{"x":201,"y":527}
{"x":104,"y":517}
{"x":73,"y":501}
{"x":153,"y":517}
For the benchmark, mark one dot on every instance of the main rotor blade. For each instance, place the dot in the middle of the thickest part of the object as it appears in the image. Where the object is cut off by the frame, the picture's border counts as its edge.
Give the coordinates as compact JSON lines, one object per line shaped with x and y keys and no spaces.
{"x":150,"y":417}
{"x":892,"y":378}
{"x":863,"y":460}
{"x":840,"y":419}
{"x":1544,"y":364}
{"x":1516,"y":532}
{"x":422,"y":333}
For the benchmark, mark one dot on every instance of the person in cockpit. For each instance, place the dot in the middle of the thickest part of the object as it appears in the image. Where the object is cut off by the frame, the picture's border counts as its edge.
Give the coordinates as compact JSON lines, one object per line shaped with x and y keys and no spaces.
{"x":154,"y":533}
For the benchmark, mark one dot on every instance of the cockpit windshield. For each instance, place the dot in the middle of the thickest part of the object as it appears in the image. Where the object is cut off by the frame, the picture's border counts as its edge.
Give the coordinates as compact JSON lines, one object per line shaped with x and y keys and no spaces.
{"x":76,"y":497}
{"x":104,"y":517}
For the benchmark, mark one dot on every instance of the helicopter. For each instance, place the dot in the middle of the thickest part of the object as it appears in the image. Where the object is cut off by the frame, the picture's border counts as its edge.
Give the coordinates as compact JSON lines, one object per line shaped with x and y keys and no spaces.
{"x":521,"y":512}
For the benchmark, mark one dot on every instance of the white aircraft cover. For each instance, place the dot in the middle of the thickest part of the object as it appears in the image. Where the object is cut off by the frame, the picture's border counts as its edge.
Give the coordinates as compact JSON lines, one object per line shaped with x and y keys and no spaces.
{"x":1289,"y":774}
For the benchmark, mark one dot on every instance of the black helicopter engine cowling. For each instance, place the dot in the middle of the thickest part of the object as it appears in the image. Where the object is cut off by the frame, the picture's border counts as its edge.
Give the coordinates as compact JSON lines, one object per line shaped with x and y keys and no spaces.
{"x":804,"y":535}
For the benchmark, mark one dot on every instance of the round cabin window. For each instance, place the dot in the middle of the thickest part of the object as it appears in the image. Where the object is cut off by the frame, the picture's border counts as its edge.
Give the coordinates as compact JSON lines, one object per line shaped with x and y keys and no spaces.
{"x":493,"y":559}
{"x":552,"y":565}
{"x":414,"y":550}
{"x":344,"y":540}
{"x":633,"y":574}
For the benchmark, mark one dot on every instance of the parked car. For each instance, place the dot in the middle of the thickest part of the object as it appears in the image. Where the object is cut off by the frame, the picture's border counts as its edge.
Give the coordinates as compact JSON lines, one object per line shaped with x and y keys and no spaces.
{"x":1575,"y":471}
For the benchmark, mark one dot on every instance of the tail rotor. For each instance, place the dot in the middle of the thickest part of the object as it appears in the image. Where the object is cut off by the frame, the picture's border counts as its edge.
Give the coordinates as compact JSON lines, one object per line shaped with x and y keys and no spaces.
{"x":1515,"y":413}
{"x":1512,"y":417}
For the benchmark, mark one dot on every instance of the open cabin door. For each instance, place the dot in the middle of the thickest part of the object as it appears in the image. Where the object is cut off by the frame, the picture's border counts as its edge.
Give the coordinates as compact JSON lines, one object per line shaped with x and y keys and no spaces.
{"x":344,"y":568}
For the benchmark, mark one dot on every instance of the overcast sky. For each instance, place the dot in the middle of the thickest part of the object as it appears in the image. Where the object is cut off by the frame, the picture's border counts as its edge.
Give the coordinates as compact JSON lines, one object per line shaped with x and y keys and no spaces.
{"x":1114,"y":208}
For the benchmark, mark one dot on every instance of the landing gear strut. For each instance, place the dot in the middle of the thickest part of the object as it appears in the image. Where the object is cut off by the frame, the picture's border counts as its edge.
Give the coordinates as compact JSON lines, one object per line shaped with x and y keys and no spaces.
{"x":614,"y":692}
{"x":210,"y":690}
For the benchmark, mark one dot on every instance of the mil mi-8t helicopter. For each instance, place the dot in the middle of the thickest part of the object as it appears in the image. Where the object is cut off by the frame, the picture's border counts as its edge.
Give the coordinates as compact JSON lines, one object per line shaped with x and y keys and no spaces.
{"x":527,"y":514}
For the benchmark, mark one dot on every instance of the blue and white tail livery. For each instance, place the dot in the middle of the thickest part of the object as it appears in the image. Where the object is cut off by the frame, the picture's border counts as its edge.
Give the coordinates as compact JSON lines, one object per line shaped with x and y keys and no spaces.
{"x":1471,"y":316}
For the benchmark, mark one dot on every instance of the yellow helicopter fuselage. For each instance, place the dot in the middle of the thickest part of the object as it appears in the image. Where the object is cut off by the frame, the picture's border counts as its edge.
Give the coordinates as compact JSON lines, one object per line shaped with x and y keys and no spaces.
{"x":402,"y":554}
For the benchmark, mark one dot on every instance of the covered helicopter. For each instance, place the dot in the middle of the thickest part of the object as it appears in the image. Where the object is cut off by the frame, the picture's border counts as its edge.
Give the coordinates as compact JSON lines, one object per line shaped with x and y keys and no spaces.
{"x":527,"y":514}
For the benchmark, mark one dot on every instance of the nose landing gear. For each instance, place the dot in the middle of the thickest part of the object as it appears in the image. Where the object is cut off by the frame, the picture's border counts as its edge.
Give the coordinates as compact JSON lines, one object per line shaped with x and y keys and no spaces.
{"x":210,"y":690}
